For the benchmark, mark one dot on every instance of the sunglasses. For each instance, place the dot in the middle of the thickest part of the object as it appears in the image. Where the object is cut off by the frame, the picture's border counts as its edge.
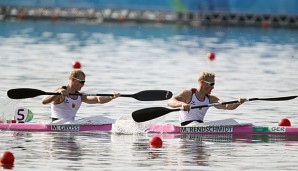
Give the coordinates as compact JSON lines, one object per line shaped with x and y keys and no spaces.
{"x":210,"y":83}
{"x":80,"y":81}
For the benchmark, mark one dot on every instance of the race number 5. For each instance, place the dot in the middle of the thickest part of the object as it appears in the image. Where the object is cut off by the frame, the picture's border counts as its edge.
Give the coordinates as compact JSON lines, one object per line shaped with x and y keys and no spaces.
{"x":23,"y":114}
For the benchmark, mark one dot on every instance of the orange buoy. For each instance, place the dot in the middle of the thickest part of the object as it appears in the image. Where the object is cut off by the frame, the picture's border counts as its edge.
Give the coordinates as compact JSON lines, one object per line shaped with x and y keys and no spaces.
{"x":21,"y":15}
{"x":265,"y":23}
{"x":121,"y":19}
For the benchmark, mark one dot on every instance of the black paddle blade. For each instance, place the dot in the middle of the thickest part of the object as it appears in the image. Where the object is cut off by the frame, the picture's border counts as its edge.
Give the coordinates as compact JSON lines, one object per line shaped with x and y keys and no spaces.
{"x":22,"y":93}
{"x":275,"y":98}
{"x":147,"y":114}
{"x":153,"y":95}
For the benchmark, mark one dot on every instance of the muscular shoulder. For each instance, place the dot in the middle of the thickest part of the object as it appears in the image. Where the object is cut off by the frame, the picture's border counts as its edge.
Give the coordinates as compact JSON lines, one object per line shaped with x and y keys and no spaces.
{"x":184,"y":95}
{"x":213,"y":99}
{"x":62,"y":87}
{"x":185,"y":92}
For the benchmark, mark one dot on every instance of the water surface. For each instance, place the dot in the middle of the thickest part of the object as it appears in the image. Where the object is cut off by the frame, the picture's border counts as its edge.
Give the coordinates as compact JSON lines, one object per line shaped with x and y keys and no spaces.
{"x":250,"y":62}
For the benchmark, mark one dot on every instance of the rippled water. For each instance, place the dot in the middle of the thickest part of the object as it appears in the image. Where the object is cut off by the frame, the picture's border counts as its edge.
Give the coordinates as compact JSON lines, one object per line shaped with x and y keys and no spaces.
{"x":250,"y":62}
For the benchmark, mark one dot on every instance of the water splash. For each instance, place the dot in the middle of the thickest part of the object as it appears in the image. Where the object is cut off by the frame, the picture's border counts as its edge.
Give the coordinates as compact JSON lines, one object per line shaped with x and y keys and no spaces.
{"x":7,"y":108}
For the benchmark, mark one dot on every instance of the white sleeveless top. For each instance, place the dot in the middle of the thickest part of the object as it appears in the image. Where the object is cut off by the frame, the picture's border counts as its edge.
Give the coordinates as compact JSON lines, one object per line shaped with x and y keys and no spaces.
{"x":67,"y":109}
{"x":194,"y":114}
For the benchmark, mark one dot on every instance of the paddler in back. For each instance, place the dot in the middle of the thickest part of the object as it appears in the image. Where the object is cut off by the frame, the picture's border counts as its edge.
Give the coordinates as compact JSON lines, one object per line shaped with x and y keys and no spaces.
{"x":64,"y":107}
{"x":196,"y":97}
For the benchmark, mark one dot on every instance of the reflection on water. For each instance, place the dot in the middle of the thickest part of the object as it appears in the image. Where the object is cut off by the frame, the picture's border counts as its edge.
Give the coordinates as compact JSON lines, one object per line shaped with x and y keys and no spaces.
{"x":248,"y":138}
{"x":114,"y":151}
{"x":64,"y":146}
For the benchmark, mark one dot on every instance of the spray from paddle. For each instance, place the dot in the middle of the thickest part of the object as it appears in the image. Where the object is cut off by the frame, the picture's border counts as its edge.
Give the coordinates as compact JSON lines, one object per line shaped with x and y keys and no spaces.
{"x":7,"y":108}
{"x":126,"y":125}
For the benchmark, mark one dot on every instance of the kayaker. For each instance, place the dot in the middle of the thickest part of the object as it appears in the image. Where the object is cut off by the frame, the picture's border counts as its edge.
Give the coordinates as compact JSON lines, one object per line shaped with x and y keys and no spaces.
{"x":64,"y":107}
{"x":199,"y":96}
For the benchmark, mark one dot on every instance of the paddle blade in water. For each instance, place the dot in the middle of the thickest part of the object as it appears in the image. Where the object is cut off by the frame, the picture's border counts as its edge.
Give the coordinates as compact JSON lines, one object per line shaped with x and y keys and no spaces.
{"x":153,"y":95}
{"x":22,"y":93}
{"x":147,"y":114}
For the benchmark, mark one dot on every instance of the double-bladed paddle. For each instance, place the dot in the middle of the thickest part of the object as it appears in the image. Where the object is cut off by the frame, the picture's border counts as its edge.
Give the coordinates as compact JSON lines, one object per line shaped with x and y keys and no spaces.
{"x":146,"y":95}
{"x":147,"y":114}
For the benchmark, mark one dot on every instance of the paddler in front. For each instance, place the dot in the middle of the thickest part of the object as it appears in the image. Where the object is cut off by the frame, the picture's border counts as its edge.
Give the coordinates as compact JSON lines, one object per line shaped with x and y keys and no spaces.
{"x":196,"y":97}
{"x":64,"y":107}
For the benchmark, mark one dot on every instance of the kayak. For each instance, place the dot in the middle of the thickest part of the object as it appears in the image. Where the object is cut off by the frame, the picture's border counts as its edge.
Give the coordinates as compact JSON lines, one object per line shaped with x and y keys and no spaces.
{"x":223,"y":129}
{"x":217,"y":128}
{"x":227,"y":130}
{"x":98,"y":123}
{"x":156,"y":128}
{"x":40,"y":127}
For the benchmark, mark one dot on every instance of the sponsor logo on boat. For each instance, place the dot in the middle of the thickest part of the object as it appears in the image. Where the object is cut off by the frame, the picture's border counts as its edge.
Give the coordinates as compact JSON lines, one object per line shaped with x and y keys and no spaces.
{"x":269,"y":129}
{"x":207,"y":129}
{"x":65,"y":127}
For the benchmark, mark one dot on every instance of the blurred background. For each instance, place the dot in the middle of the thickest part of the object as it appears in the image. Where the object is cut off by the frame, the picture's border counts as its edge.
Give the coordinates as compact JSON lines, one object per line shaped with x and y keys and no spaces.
{"x":190,"y":12}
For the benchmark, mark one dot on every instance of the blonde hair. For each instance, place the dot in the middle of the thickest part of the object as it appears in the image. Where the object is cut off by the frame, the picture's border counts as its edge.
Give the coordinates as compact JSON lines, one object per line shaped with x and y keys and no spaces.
{"x":76,"y":73}
{"x":205,"y":75}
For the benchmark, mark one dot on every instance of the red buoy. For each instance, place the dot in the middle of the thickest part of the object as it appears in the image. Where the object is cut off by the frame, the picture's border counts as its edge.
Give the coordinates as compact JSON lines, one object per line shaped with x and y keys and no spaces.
{"x":284,"y":122}
{"x":7,"y":158}
{"x":76,"y":65}
{"x":211,"y":56}
{"x":155,"y":142}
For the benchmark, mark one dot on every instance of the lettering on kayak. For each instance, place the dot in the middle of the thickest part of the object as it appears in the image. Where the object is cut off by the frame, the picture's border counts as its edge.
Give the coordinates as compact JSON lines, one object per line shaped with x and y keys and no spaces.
{"x":65,"y":127}
{"x":277,"y":129}
{"x":206,"y":129}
